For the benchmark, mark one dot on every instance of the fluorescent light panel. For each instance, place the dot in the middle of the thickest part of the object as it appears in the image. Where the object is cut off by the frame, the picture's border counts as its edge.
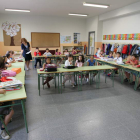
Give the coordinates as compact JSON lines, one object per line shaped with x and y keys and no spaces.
{"x":17,"y":10}
{"x":82,"y":15}
{"x":95,"y":5}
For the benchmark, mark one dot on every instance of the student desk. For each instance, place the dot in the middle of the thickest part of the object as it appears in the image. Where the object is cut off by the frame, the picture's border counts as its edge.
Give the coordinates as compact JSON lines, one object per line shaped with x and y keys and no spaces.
{"x":123,"y":68}
{"x":16,"y":95}
{"x":76,"y":71}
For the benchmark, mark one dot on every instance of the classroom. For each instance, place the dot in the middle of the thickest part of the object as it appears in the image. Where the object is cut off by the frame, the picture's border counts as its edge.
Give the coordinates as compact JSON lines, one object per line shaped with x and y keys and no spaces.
{"x":69,"y":70}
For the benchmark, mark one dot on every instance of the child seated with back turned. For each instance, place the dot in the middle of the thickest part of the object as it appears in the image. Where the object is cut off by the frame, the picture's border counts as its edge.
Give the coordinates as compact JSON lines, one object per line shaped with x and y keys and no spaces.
{"x":69,"y":62}
{"x":37,"y":53}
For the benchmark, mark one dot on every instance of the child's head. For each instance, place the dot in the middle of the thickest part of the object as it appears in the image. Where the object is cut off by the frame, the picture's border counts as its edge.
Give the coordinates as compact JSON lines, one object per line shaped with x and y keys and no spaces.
{"x":101,"y":51}
{"x":8,"y":55}
{"x":2,"y":63}
{"x":56,"y":50}
{"x":133,"y":57}
{"x":81,"y":58}
{"x":70,"y":57}
{"x":66,"y":50}
{"x":111,"y":54}
{"x":23,"y":41}
{"x":128,"y":58}
{"x":118,"y":54}
{"x":91,"y":57}
{"x":5,"y":59}
{"x":12,"y":52}
{"x":48,"y":60}
{"x":37,"y":49}
{"x":47,"y":50}
{"x":73,"y":49}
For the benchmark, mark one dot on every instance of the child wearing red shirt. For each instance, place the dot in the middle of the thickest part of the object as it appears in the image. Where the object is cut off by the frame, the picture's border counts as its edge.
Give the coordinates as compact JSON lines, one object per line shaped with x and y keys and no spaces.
{"x":37,"y":53}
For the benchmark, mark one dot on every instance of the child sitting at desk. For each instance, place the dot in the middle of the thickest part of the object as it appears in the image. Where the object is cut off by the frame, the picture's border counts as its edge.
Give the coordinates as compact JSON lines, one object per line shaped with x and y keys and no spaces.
{"x":118,"y":58}
{"x":37,"y":53}
{"x":69,"y":62}
{"x":101,"y":54}
{"x":74,"y":51}
{"x":6,"y":63}
{"x":47,"y":53}
{"x":80,"y":61}
{"x":133,"y":61}
{"x":10,"y":57}
{"x":7,"y":112}
{"x":90,"y":62}
{"x":57,"y":52}
{"x":110,"y":55}
{"x":66,"y":52}
{"x":49,"y":77}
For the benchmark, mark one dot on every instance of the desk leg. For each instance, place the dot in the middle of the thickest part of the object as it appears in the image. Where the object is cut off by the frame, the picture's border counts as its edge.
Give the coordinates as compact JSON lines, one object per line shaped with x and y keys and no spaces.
{"x":61,"y":82}
{"x":55,"y":80}
{"x":78,"y":81}
{"x":24,"y":114}
{"x":112,"y":78}
{"x":136,"y":82}
{"x":99,"y":79}
{"x":39,"y":83}
{"x":58,"y":83}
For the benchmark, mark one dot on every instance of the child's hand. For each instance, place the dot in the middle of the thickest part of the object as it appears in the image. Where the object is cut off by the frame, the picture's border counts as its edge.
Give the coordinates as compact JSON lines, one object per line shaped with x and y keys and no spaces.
{"x":2,"y":91}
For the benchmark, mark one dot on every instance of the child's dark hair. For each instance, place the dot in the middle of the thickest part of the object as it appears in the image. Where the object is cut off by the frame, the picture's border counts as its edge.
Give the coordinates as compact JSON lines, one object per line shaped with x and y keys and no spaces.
{"x":66,"y":50}
{"x":119,"y":53}
{"x":82,"y":59}
{"x":47,"y":49}
{"x":8,"y":52}
{"x":111,"y":52}
{"x":2,"y":63}
{"x":56,"y":50}
{"x":37,"y":48}
{"x":12,"y":52}
{"x":70,"y":55}
{"x":8,"y":55}
{"x":134,"y":55}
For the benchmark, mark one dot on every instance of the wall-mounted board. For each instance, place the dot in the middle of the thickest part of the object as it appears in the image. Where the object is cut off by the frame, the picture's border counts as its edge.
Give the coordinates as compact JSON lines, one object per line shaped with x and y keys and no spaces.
{"x":44,"y":40}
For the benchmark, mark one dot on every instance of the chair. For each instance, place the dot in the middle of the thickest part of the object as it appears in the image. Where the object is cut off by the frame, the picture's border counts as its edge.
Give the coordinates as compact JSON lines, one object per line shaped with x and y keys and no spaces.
{"x":2,"y":121}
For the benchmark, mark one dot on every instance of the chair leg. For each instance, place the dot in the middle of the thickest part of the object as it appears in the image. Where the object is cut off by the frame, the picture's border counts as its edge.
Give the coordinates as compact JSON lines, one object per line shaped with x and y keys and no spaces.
{"x":4,"y":126}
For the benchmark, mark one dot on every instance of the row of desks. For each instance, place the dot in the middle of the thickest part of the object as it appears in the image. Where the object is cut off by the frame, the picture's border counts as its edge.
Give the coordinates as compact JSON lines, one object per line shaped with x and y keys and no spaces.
{"x":122,"y":69}
{"x":77,"y":71}
{"x":18,"y":96}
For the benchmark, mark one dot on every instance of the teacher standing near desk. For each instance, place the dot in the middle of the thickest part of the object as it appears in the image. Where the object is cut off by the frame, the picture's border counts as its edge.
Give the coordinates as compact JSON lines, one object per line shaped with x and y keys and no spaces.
{"x":25,"y":52}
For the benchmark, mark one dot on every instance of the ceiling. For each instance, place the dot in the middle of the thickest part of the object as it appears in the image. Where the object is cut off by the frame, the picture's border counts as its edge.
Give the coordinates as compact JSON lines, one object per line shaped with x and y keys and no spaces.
{"x":61,"y":7}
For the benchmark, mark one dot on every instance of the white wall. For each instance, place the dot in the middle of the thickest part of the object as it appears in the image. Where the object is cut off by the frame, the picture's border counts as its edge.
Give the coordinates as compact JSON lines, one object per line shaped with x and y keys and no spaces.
{"x":65,"y":26}
{"x":122,"y":25}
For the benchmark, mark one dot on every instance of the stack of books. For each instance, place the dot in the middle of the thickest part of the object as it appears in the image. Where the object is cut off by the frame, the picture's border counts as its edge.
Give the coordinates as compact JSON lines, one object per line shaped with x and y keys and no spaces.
{"x":11,"y":85}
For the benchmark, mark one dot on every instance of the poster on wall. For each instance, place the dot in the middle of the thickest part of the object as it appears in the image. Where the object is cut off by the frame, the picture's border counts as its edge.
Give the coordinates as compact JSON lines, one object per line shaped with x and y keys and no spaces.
{"x":133,"y":36}
{"x":65,"y":39}
{"x":76,"y":38}
{"x":11,"y":33}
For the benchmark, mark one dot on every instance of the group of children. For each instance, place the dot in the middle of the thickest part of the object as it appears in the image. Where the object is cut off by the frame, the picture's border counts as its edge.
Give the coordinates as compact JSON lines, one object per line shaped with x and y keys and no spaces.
{"x":48,"y":54}
{"x":7,"y":112}
{"x":69,"y":62}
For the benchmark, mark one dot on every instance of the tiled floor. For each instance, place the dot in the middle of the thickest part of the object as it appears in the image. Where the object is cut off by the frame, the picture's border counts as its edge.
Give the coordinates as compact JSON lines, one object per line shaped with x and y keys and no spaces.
{"x":92,"y":114}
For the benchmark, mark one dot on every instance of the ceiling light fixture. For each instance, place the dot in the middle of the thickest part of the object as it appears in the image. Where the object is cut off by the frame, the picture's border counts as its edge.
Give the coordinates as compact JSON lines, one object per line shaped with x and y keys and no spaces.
{"x":82,"y":15}
{"x":17,"y":10}
{"x":95,"y":5}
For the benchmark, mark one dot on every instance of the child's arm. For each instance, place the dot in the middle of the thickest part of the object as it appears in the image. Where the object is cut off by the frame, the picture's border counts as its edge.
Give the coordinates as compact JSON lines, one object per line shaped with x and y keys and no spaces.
{"x":44,"y":66}
{"x":133,"y":63}
{"x":2,"y":91}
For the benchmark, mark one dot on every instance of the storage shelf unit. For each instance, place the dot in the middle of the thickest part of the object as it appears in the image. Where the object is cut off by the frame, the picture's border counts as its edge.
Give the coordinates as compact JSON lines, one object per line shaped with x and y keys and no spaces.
{"x":80,"y":49}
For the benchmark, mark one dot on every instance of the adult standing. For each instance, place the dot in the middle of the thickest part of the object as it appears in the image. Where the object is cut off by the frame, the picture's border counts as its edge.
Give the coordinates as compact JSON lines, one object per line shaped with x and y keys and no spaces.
{"x":25,"y":52}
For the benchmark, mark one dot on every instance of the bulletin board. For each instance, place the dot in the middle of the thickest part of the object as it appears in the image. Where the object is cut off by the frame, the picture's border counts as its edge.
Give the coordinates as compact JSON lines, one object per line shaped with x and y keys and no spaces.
{"x":44,"y":40}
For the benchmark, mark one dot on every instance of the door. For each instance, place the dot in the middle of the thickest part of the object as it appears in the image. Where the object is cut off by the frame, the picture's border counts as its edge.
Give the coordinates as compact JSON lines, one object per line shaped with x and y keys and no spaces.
{"x":91,"y":43}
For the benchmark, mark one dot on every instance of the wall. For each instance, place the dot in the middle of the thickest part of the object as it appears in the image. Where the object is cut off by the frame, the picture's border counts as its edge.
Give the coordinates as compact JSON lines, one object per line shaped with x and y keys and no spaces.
{"x":122,"y":25}
{"x":65,"y":26}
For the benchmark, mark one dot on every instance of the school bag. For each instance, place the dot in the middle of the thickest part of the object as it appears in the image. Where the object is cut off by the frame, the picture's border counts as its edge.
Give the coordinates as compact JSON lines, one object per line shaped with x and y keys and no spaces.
{"x":50,"y":67}
{"x":8,"y":73}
